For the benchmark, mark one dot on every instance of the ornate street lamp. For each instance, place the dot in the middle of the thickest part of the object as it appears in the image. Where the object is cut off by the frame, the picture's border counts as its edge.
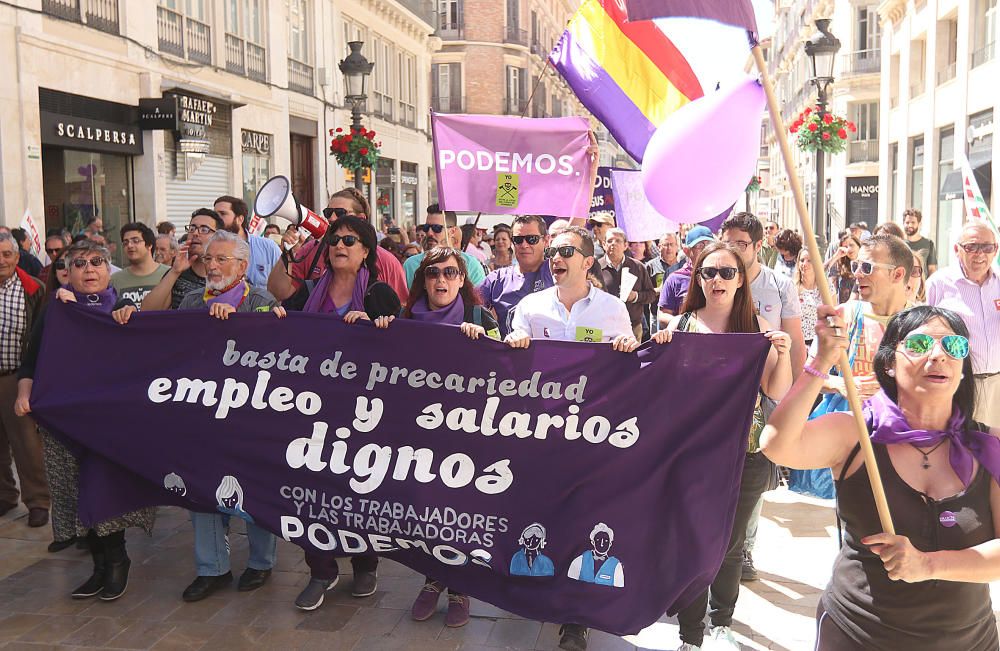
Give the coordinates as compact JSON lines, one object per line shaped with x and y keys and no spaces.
{"x":821,"y":48}
{"x":356,"y":69}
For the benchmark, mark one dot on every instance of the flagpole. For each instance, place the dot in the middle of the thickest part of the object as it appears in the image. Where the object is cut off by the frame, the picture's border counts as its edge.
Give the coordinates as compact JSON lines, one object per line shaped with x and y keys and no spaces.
{"x":809,"y":239}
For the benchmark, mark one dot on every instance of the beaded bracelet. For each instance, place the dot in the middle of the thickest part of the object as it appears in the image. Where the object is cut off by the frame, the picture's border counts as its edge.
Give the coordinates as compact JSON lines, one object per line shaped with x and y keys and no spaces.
{"x":815,"y":373}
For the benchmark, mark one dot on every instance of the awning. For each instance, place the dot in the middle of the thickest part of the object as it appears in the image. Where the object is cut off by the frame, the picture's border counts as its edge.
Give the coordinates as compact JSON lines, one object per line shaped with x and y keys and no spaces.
{"x":981,"y":163}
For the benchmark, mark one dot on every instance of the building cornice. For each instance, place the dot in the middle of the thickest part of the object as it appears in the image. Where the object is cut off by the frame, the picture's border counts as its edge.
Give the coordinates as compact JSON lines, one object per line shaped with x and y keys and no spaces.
{"x":400,"y":17}
{"x":892,"y":11}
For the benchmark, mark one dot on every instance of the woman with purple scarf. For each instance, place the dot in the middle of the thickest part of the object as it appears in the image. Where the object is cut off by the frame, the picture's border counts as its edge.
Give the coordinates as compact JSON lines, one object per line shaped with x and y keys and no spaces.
{"x":925,"y":588}
{"x":89,"y":286}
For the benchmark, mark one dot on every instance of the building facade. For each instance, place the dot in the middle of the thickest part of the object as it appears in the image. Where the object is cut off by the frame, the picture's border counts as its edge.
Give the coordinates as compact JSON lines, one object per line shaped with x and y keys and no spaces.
{"x":145,"y":111}
{"x":942,"y":99}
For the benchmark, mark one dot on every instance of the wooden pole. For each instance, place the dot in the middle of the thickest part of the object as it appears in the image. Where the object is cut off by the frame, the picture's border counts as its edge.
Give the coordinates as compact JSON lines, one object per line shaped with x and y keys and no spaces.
{"x":809,"y":239}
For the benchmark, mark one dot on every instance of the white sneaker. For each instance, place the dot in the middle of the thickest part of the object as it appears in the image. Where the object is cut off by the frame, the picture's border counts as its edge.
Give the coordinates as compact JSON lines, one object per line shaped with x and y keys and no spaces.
{"x":720,"y":638}
{"x":688,"y":647}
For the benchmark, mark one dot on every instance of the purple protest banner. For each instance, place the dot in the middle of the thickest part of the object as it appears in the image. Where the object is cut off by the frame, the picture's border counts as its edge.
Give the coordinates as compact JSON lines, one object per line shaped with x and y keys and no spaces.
{"x":505,"y":474}
{"x":604,"y":198}
{"x":511,"y":165}
{"x":634,"y":214}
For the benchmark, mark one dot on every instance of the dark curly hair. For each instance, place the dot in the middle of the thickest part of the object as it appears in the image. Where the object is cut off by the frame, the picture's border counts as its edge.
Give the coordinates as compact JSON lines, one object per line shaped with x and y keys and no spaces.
{"x":366,"y":235}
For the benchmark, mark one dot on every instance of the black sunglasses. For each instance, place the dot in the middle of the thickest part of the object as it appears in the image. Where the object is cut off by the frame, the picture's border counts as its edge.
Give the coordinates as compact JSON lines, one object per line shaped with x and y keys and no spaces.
{"x":339,"y":212}
{"x":59,"y":264}
{"x":530,"y":239}
{"x":978,"y":247}
{"x":565,"y":251}
{"x":53,"y":252}
{"x":451,"y":273}
{"x":98,"y":261}
{"x":348,"y":240}
{"x":727,"y":273}
{"x":425,"y":228}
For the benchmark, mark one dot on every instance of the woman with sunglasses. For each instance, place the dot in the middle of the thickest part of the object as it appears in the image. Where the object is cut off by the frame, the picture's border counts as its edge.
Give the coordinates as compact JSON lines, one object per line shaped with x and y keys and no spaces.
{"x":719,"y":301}
{"x":839,"y":268}
{"x":58,"y":275}
{"x":442,"y":294}
{"x":925,"y":588}
{"x":89,"y":285}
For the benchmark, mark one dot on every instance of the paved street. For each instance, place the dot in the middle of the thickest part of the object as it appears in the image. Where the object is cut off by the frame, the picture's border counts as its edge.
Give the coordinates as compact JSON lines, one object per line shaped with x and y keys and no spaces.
{"x":795,"y":549}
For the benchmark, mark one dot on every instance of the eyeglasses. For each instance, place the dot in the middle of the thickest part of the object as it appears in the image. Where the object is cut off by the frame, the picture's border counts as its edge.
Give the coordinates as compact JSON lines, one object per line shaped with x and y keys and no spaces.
{"x":201,"y":230}
{"x":137,"y":241}
{"x":348,"y":240}
{"x":727,"y":273}
{"x":739,"y":244}
{"x":53,"y":252}
{"x":97,"y":261}
{"x":567,"y":251}
{"x":920,"y":344}
{"x":451,"y":273}
{"x":978,"y":247}
{"x":339,"y":212}
{"x":530,"y":239}
{"x":425,"y":228}
{"x":221,"y":259}
{"x":59,"y":265}
{"x":866,"y":268}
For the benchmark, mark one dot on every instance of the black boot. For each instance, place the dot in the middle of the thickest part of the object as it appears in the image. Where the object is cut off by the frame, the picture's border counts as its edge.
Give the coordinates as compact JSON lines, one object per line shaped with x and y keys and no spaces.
{"x":116,"y":567}
{"x":95,"y":583}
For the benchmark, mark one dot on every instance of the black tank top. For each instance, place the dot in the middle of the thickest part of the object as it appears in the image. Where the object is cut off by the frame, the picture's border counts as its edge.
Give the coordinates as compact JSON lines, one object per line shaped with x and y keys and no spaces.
{"x":885,"y":615}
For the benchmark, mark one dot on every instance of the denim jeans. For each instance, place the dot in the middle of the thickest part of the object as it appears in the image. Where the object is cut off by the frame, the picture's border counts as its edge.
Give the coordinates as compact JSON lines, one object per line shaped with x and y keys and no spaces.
{"x":211,"y":545}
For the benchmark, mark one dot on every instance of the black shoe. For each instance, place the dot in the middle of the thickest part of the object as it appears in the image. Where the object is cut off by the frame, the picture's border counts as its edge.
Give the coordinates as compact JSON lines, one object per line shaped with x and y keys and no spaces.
{"x":204,"y":586}
{"x":59,"y":545}
{"x":93,"y":586}
{"x":38,"y":517}
{"x":252,"y":579}
{"x":115,"y":573}
{"x":573,"y":637}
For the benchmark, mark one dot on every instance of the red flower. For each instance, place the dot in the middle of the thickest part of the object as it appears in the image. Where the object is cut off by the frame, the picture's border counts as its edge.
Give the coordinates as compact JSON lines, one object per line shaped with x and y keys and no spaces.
{"x":827,"y":118}
{"x":339,"y":130}
{"x":826,"y":135}
{"x":807,"y":111}
{"x":348,"y":138}
{"x":850,"y":125}
{"x":364,"y":151}
{"x":842,"y":133}
{"x":795,"y":127}
{"x":812,"y":126}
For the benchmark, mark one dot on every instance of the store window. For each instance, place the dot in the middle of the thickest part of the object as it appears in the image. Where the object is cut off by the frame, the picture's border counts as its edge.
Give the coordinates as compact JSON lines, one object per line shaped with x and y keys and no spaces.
{"x":946,"y":162}
{"x":916,"y":173}
{"x":385,"y":193}
{"x":408,"y":189}
{"x":256,"y":163}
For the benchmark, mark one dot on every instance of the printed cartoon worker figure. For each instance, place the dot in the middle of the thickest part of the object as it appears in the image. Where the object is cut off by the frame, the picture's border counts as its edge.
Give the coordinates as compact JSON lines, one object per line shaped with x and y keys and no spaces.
{"x":229,"y":495}
{"x":529,"y":560}
{"x":596,"y":565}
{"x":173,"y":483}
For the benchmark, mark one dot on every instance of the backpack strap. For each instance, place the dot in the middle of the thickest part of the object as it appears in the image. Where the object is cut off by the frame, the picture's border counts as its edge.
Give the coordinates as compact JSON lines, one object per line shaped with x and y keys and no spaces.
{"x":477,"y":314}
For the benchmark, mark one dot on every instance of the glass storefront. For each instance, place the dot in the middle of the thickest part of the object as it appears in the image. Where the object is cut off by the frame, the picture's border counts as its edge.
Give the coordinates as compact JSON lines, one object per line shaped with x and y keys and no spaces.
{"x":385,"y":193}
{"x":408,"y":189}
{"x":256,"y":163}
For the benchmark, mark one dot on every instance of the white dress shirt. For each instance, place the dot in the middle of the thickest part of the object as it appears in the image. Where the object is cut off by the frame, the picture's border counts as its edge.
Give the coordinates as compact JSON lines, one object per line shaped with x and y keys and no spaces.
{"x":598,"y":317}
{"x":979,"y":307}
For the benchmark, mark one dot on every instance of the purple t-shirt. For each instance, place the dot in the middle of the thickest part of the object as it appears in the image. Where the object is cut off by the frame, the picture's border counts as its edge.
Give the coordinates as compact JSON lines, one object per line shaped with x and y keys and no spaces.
{"x":675,"y":289}
{"x":504,"y":288}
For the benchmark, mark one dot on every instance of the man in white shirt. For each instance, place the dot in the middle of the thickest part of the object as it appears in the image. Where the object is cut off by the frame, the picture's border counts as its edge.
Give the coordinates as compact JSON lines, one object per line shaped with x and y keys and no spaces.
{"x":572,"y":310}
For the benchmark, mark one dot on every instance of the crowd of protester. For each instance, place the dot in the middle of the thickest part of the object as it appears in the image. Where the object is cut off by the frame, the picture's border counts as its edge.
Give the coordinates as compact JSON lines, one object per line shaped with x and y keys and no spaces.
{"x":922,"y":345}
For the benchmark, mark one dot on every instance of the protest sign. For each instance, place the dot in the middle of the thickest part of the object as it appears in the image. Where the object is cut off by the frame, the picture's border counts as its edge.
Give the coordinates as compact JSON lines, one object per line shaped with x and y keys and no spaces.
{"x":35,"y":245}
{"x":604,"y":198}
{"x":635,"y":215}
{"x":512,"y":165}
{"x":566,"y":482}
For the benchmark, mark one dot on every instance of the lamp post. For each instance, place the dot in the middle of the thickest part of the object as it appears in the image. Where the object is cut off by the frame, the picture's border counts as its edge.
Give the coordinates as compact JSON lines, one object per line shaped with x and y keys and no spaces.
{"x":821,"y":48}
{"x":356,"y":69}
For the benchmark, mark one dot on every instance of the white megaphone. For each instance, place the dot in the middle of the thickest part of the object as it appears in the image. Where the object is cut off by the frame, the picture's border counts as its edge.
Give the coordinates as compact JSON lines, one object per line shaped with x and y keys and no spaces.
{"x":275,"y":199}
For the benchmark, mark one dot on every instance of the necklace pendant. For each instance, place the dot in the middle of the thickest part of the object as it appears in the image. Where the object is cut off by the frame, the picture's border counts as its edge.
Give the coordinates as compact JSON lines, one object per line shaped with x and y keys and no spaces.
{"x":926,"y":464}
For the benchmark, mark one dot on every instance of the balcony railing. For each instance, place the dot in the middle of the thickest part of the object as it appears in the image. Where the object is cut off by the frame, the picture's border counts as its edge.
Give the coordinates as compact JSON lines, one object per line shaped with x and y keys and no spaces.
{"x":199,"y":41}
{"x":917,"y":88}
{"x":862,"y":151}
{"x":407,"y":115}
{"x":256,"y":62}
{"x":99,"y":14}
{"x":983,"y":54}
{"x":862,"y":62}
{"x":300,"y":76}
{"x":516,"y":35}
{"x":235,"y":55}
{"x":448,"y":104}
{"x":514,"y":106}
{"x":946,"y":73}
{"x":183,"y":37}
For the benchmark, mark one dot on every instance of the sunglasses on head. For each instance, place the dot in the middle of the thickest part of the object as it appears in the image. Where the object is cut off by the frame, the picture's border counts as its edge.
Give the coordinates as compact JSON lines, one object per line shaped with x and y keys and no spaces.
{"x":330,"y":213}
{"x":566,"y":251}
{"x":451,"y":273}
{"x":978,"y":247}
{"x":348,"y":240}
{"x":530,"y":239}
{"x":920,"y":344}
{"x":80,"y":263}
{"x":866,"y":268}
{"x":727,"y":273}
{"x":426,"y":228}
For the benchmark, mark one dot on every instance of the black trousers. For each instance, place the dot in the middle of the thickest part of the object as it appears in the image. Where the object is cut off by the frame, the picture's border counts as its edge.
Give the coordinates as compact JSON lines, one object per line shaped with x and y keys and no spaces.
{"x":829,"y":637}
{"x":725,"y":589}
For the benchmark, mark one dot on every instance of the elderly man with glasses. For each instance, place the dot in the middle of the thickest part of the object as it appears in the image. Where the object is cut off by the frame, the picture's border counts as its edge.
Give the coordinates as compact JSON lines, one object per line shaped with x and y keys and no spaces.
{"x":971,"y":287}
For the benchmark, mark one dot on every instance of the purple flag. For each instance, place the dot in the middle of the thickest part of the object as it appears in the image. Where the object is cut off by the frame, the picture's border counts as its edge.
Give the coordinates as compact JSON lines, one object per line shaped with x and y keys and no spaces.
{"x":511,"y":165}
{"x":635,"y":215}
{"x":497,"y":471}
{"x":738,"y":13}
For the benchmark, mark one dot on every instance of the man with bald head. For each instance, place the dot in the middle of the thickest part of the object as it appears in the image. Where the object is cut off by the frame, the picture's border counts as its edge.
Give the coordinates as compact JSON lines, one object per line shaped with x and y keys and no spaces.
{"x":971,"y":287}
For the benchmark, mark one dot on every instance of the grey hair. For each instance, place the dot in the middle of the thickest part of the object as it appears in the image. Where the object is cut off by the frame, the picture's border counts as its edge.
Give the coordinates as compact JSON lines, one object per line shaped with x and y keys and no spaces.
{"x":85,"y":247}
{"x":538,"y":529}
{"x":5,"y":236}
{"x":242,"y":250}
{"x":169,"y":238}
{"x":601,"y":527}
{"x":616,"y":231}
{"x":558,"y":226}
{"x":230,"y":486}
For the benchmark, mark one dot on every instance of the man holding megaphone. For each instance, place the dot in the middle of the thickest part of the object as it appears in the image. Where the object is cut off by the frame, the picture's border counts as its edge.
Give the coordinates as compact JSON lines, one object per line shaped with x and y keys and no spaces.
{"x":292,"y":278}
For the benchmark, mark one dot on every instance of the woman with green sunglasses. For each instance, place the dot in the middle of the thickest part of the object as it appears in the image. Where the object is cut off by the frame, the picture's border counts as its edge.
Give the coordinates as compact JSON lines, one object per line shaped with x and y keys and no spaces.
{"x":926,"y":587}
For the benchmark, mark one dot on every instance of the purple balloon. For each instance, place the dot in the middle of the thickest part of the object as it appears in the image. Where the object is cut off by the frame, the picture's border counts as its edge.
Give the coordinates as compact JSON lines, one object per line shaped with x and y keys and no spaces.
{"x":698,"y":161}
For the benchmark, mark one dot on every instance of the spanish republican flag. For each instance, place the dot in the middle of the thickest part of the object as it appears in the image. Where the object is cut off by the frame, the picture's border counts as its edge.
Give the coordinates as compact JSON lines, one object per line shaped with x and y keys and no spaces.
{"x":629,"y":75}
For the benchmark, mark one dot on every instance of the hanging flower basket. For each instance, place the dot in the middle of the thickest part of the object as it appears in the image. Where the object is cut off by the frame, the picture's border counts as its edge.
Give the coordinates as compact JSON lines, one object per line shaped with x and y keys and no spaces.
{"x":754,"y":184}
{"x":354,"y":150}
{"x":828,"y":133}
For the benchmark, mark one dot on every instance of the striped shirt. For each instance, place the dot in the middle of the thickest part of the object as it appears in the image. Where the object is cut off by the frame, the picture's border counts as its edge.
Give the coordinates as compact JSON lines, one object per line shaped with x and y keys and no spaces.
{"x":13,"y":321}
{"x":979,"y":307}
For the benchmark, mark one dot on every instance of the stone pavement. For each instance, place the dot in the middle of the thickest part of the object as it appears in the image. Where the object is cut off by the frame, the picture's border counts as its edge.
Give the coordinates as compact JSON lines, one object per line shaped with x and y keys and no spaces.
{"x":795,"y":549}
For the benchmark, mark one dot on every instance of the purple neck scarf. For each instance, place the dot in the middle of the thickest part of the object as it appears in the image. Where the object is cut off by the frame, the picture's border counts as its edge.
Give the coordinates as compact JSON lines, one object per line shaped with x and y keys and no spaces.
{"x":233,"y":296}
{"x":102,"y":301}
{"x":320,"y":301}
{"x":454,"y":314}
{"x":889,"y":426}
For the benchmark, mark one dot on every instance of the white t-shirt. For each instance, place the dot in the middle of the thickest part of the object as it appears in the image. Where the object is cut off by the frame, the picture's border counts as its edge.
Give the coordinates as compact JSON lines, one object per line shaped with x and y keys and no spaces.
{"x":775,"y":297}
{"x":598,"y":317}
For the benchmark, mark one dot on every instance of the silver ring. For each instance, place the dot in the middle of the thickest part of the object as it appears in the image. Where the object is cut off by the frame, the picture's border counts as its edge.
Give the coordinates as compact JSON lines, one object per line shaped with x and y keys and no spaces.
{"x":831,"y":321}
{"x":837,"y":332}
